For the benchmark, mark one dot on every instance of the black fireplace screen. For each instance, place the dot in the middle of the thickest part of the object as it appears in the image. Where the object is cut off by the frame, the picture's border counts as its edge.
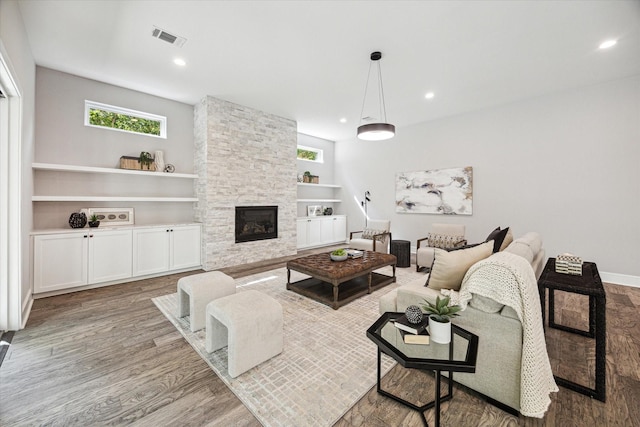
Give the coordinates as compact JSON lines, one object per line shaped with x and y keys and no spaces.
{"x":256,"y":223}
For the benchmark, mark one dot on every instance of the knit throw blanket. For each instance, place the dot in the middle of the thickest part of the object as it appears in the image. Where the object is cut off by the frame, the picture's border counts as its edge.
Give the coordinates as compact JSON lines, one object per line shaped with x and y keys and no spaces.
{"x":510,"y":280}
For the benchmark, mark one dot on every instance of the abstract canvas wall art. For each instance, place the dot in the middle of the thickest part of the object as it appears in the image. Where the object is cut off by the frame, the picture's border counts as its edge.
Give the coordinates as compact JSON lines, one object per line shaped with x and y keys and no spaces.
{"x":440,"y":191}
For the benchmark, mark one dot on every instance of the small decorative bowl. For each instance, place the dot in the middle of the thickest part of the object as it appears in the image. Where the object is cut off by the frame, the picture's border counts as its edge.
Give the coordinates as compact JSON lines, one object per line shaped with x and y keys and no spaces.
{"x":339,"y":257}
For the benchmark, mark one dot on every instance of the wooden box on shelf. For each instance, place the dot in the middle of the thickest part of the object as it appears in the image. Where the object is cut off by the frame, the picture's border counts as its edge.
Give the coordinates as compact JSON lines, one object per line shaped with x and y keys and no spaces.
{"x":133,"y":163}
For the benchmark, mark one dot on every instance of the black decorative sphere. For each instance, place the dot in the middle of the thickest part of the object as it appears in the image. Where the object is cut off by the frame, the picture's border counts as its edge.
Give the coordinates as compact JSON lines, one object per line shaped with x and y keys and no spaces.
{"x":78,"y":220}
{"x":414,"y":314}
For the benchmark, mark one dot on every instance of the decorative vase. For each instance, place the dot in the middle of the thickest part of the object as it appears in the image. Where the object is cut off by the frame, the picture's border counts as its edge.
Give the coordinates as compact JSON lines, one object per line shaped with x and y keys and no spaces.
{"x":159,"y":159}
{"x":440,"y":331}
{"x":414,"y":314}
{"x":94,"y":224}
{"x":78,"y":220}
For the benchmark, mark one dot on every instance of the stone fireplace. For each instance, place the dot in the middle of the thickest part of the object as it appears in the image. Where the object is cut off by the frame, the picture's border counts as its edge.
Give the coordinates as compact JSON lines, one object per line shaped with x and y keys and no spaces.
{"x":244,"y":158}
{"x":256,"y":223}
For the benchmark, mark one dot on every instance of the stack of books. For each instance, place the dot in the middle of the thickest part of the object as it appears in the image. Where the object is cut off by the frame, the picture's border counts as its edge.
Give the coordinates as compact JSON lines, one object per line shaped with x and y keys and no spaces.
{"x":353,"y":253}
{"x":413,"y":333}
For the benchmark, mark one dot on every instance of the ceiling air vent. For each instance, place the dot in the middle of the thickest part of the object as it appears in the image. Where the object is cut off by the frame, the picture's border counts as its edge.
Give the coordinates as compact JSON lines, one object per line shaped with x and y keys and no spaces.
{"x":161,"y":34}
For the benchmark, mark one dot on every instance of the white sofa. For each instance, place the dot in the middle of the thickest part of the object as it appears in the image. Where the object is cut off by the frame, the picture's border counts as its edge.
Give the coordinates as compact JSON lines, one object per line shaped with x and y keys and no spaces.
{"x":497,"y":375}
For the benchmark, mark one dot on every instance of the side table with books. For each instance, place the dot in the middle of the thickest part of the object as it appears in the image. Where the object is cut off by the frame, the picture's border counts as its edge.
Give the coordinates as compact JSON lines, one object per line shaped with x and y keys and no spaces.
{"x":388,"y":335}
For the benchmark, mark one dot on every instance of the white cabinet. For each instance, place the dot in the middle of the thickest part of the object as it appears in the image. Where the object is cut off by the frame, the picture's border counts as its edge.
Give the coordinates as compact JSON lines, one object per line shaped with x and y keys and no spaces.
{"x":321,"y":231}
{"x":109,"y":255}
{"x":60,"y":261}
{"x":161,"y":249}
{"x":69,"y":260}
{"x":340,"y":228}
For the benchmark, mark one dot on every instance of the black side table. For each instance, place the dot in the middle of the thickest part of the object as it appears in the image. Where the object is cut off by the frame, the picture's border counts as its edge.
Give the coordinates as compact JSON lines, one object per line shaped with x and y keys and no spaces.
{"x":432,"y":357}
{"x":587,"y":284}
{"x":402,"y":250}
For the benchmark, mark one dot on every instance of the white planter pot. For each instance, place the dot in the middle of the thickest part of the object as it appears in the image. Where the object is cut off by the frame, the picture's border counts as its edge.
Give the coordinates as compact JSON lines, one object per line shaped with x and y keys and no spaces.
{"x":440,"y":332}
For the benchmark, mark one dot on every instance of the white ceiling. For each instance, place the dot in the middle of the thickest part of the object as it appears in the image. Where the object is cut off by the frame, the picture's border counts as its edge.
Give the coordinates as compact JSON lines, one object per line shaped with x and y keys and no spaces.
{"x":308,"y":60}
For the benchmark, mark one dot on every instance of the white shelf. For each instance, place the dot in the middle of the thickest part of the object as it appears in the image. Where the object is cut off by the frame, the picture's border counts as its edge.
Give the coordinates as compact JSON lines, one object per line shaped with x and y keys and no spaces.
{"x":319,"y":200}
{"x":91,"y":169}
{"x":110,"y":199}
{"x":305,"y":184}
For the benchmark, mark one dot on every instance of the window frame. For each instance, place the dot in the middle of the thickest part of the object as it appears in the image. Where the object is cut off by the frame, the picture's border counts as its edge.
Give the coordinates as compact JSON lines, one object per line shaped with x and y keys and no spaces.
{"x":318,"y":151}
{"x":93,"y":105}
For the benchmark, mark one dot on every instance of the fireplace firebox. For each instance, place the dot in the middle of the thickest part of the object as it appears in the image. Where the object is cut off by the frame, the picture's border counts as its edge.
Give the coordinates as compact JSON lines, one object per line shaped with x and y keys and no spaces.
{"x":256,"y":223}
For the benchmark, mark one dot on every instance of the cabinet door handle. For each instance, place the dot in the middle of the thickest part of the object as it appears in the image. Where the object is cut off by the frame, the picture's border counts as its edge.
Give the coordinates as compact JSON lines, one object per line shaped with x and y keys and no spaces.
{"x":167,"y":231}
{"x":90,"y":235}
{"x":85,"y":236}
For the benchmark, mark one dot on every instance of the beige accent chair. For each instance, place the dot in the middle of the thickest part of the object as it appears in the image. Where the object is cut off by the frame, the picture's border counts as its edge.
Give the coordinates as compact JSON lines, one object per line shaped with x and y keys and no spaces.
{"x":376,"y":237}
{"x":442,"y":236}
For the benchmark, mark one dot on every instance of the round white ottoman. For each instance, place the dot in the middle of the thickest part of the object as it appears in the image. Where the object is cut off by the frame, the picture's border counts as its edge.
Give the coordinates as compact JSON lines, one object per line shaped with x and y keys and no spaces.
{"x":250,"y":323}
{"x":198,"y":290}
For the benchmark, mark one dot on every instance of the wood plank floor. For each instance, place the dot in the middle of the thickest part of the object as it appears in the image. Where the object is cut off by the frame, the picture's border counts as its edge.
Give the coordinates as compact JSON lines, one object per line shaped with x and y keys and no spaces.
{"x":108,"y":357}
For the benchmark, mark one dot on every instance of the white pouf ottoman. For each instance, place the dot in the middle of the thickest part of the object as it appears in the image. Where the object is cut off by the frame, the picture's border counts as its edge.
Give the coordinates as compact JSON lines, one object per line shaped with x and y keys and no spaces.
{"x":251,"y":324}
{"x":198,"y":290}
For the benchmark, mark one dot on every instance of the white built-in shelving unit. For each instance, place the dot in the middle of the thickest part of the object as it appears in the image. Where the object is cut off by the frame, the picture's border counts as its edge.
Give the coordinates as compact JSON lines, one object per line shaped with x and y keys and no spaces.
{"x":114,"y":171}
{"x":302,"y":186}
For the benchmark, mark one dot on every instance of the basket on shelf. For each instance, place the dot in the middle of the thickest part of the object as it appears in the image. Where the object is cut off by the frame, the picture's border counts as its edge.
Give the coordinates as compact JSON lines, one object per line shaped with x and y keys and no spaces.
{"x":133,"y":163}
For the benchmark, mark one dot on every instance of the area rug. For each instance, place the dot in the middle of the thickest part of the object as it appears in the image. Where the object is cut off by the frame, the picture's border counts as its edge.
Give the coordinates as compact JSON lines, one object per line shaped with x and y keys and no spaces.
{"x":327,"y":365}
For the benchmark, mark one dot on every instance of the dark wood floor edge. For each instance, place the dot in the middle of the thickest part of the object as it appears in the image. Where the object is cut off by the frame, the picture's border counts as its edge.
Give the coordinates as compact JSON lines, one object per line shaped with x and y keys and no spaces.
{"x":5,"y":342}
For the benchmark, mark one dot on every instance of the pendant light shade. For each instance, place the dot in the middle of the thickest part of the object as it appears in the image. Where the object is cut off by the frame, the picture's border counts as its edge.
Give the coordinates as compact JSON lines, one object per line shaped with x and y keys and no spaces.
{"x":378,"y":131}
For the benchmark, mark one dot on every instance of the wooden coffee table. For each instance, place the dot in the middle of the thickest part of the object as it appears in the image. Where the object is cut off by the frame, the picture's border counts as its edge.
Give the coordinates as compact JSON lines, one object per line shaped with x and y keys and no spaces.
{"x":353,"y":277}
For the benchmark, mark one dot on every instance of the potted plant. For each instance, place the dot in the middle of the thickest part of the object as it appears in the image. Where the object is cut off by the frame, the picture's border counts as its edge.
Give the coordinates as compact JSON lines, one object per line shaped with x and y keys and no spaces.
{"x":145,"y":159}
{"x":93,"y":221}
{"x":440,"y":315}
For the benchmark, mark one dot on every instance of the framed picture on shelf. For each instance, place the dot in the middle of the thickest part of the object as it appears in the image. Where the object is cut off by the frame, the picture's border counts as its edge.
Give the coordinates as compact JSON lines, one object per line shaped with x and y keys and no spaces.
{"x":314,"y":210}
{"x":113,"y":216}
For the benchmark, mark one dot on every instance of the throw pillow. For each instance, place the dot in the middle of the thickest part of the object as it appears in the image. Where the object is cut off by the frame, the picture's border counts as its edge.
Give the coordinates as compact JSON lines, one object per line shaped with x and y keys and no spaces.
{"x":369,"y":233}
{"x":507,"y":240}
{"x":498,"y":238}
{"x":493,"y":234}
{"x":443,"y":241}
{"x":449,"y":268}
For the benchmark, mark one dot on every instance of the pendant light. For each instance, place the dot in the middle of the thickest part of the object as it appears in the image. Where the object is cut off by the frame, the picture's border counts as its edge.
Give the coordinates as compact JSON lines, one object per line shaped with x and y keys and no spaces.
{"x":376,"y":131}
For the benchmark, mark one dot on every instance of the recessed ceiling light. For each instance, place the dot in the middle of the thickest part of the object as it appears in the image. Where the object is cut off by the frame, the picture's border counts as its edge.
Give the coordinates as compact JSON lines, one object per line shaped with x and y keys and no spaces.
{"x":607,"y":44}
{"x":429,"y":95}
{"x":180,"y":62}
{"x":343,"y":120}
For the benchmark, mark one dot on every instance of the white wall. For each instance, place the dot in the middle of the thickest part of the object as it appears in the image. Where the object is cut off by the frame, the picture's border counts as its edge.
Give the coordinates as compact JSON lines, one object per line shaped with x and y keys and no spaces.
{"x":566,"y":165}
{"x":62,"y":137}
{"x":17,"y":53}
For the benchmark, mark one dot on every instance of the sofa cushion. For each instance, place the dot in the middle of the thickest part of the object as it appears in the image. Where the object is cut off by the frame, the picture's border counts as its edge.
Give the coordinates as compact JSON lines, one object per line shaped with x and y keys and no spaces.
{"x":485,"y":304}
{"x":528,"y":246}
{"x":449,"y":268}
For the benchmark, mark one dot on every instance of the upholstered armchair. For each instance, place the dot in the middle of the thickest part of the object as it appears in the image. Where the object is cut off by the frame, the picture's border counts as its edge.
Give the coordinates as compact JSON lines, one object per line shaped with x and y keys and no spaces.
{"x":376,"y":237}
{"x":442,"y":236}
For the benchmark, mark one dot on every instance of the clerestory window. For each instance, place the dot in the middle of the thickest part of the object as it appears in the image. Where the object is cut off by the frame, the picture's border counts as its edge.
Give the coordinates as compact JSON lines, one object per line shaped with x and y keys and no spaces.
{"x":124,"y":119}
{"x":310,"y":154}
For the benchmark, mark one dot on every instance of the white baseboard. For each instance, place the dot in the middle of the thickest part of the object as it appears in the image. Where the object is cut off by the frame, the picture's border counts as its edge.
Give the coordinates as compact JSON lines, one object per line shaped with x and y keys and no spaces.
{"x":620,"y":279}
